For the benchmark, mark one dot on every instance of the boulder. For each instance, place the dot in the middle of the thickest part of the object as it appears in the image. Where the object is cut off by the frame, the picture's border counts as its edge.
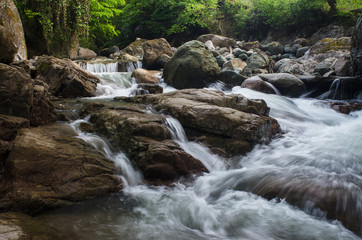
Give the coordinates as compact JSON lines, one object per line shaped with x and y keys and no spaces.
{"x":162,"y":60}
{"x":301,"y":51}
{"x":149,"y":144}
{"x":23,"y":97}
{"x":146,"y":76}
{"x":12,"y":41}
{"x":356,"y":48}
{"x":290,"y":66}
{"x":65,"y":78}
{"x":86,"y":54}
{"x":217,"y":40}
{"x":209,"y":45}
{"x":151,"y":88}
{"x":302,"y":41}
{"x":49,"y":167}
{"x":154,"y":49}
{"x":107,"y":52}
{"x":275,"y":48}
{"x":234,"y":64}
{"x":250,"y":45}
{"x":257,"y":84}
{"x":331,"y":44}
{"x":231,"y":78}
{"x":192,"y":66}
{"x":229,"y":124}
{"x":258,"y":60}
{"x":287,"y":84}
{"x":149,"y":51}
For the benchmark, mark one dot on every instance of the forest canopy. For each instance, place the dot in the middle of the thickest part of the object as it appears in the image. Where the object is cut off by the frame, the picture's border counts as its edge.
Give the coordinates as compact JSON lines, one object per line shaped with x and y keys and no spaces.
{"x":62,"y":24}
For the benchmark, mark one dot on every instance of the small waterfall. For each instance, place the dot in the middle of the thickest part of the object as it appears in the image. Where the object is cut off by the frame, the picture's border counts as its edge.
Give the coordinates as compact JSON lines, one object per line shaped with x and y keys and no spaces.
{"x":211,"y":161}
{"x":125,"y":170}
{"x":273,"y":87}
{"x":344,"y":88}
{"x":100,"y":67}
{"x":129,"y":66}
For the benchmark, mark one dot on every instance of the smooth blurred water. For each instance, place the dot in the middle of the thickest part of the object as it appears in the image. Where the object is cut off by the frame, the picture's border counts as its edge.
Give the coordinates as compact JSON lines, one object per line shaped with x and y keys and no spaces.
{"x":320,"y":153}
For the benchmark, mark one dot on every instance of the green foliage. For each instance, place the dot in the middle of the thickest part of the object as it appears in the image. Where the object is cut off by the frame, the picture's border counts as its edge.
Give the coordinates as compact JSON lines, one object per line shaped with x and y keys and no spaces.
{"x":61,"y":21}
{"x":102,"y":22}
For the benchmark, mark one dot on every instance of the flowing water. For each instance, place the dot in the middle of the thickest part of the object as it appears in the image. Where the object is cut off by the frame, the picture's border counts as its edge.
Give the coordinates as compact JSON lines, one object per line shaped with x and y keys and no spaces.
{"x":319,"y":152}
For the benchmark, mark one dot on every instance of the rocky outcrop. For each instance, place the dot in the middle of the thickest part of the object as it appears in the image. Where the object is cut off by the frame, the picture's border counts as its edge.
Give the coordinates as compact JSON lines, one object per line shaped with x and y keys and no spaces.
{"x":65,"y":78}
{"x":192,"y":66}
{"x":144,"y":137}
{"x":331,"y":44}
{"x":24,"y":97}
{"x":287,"y":84}
{"x":230,"y":124}
{"x":48,"y":167}
{"x":146,"y":76}
{"x":356,"y":49}
{"x":217,"y":40}
{"x":12,"y":41}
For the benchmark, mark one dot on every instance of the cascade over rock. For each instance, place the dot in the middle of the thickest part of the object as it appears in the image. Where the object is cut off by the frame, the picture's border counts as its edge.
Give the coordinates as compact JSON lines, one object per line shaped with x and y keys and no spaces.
{"x":232,"y":124}
{"x":65,"y":78}
{"x":287,"y":84}
{"x":48,"y":167}
{"x":144,"y":137}
{"x":356,"y":48}
{"x":192,"y":66}
{"x":24,"y":97}
{"x":257,"y":84}
{"x":12,"y":41}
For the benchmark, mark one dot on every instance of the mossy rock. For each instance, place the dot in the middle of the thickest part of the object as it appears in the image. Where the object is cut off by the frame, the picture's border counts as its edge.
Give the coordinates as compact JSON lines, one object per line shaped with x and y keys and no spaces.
{"x":331,"y":44}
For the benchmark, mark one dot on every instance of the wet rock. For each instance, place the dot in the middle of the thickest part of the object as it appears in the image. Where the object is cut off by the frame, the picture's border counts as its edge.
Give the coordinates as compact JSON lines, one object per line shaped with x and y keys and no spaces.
{"x":331,"y":44}
{"x":220,"y":60}
{"x":234,"y":64}
{"x":258,"y":60}
{"x":152,"y":50}
{"x":12,"y":41}
{"x":18,"y":226}
{"x":162,"y":60}
{"x":286,"y":83}
{"x":257,"y":84}
{"x":146,"y":76}
{"x":345,"y":107}
{"x":231,"y":78}
{"x":65,"y":78}
{"x":192,"y":66}
{"x":107,"y":52}
{"x":275,"y":48}
{"x":48,"y":167}
{"x":148,"y":143}
{"x":23,"y":97}
{"x":356,"y":48}
{"x":217,"y":40}
{"x":86,"y":54}
{"x":151,"y":88}
{"x":227,"y":117}
{"x":301,"y":51}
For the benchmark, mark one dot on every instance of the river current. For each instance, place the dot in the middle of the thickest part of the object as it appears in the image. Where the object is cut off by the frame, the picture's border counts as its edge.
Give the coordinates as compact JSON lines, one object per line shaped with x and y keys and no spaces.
{"x":320,"y":151}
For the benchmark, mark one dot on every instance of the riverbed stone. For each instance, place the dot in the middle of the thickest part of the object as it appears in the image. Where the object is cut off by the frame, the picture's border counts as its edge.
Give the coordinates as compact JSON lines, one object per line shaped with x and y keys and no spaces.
{"x":49,"y":167}
{"x":153,"y":50}
{"x":146,"y":76}
{"x":192,"y":66}
{"x":217,"y":40}
{"x":12,"y":40}
{"x":65,"y":78}
{"x":258,"y":59}
{"x":287,"y":84}
{"x":257,"y":84}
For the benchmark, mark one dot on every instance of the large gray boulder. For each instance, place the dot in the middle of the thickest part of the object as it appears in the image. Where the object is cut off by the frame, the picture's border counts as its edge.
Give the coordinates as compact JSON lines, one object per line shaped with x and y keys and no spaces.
{"x":12,"y":41}
{"x":259,"y":59}
{"x":287,"y":84}
{"x":192,"y":66}
{"x":356,"y":48}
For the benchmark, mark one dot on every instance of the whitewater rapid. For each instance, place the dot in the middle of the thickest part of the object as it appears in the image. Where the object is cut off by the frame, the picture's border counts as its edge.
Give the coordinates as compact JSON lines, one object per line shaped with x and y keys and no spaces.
{"x":319,"y":148}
